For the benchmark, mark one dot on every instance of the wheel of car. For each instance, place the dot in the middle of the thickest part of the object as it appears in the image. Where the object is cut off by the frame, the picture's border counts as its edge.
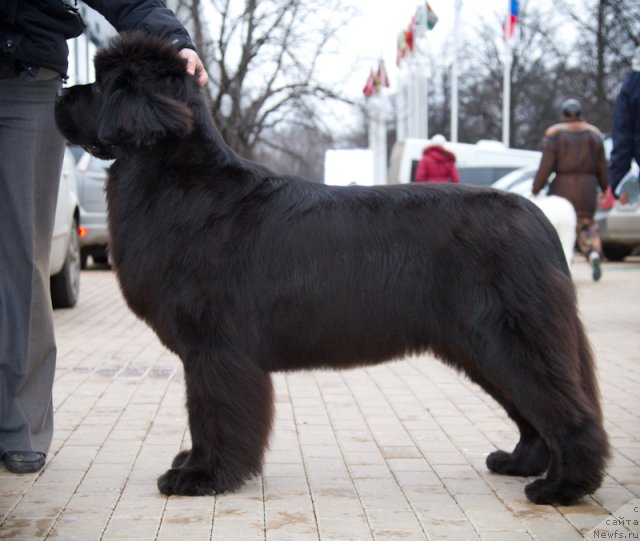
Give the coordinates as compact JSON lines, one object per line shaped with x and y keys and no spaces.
{"x":84,"y":256}
{"x":100,"y":257}
{"x":65,"y":286}
{"x":616,"y":252}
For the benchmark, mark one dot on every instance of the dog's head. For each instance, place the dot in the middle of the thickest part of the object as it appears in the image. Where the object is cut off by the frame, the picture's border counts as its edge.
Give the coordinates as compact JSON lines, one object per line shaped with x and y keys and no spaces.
{"x":141,"y":95}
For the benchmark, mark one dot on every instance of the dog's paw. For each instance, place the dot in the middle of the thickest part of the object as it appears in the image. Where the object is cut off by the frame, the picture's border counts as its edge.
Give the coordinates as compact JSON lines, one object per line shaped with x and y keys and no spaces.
{"x":180,"y":459}
{"x":181,"y":482}
{"x":522,"y":464}
{"x":500,"y":462}
{"x":548,"y":492}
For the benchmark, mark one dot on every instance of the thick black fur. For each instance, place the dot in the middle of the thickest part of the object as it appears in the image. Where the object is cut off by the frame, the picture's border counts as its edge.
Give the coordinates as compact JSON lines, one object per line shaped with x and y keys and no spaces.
{"x":242,"y":273}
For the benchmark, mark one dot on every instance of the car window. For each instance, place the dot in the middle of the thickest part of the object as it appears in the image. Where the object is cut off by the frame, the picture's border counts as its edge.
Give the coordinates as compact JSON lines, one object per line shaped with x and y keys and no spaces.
{"x":513,"y":178}
{"x":630,"y":186}
{"x":482,"y":176}
{"x":479,"y":176}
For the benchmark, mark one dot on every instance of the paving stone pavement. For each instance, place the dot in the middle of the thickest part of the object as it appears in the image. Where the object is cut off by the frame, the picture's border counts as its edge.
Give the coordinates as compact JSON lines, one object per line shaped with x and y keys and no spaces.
{"x":391,"y":452}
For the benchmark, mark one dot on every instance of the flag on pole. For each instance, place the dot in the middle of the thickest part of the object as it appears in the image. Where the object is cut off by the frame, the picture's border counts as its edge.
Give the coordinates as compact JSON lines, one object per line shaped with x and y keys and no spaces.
{"x":409,"y":35}
{"x":376,"y":81}
{"x":432,"y":18}
{"x":370,"y":87}
{"x":510,"y":25}
{"x":405,"y":43}
{"x":425,"y":17}
{"x":382,"y":79}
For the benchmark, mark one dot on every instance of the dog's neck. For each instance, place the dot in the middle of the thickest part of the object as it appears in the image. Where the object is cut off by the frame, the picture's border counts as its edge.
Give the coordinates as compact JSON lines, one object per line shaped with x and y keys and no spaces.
{"x":204,"y":136}
{"x":205,"y":127}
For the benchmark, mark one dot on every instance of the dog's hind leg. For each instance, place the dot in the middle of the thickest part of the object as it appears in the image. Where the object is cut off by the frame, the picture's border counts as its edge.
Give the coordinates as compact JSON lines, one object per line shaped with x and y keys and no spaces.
{"x":579,"y":450}
{"x":552,"y":389}
{"x":577,"y":465}
{"x":530,"y":455}
{"x":230,"y":409}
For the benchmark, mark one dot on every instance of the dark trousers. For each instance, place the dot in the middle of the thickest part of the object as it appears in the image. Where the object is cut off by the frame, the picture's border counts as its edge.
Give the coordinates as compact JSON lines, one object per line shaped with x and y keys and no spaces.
{"x":31,"y":152}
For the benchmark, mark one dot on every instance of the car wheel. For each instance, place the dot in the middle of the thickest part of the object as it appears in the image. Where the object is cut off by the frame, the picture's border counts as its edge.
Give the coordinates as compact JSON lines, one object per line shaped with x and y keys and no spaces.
{"x":100,"y":256}
{"x":616,"y":252}
{"x":65,"y":286}
{"x":84,"y":256}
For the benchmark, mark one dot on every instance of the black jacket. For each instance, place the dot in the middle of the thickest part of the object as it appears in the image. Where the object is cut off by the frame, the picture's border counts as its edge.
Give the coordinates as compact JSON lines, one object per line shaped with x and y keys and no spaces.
{"x":33,"y":33}
{"x":626,"y":130}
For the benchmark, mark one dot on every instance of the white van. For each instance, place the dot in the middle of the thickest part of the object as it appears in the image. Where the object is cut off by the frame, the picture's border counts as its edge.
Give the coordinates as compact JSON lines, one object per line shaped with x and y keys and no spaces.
{"x":480,"y":164}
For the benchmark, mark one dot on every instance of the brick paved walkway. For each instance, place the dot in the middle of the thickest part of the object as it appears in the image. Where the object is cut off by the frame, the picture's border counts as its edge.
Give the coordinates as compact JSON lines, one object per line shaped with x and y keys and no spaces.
{"x":392,"y":452}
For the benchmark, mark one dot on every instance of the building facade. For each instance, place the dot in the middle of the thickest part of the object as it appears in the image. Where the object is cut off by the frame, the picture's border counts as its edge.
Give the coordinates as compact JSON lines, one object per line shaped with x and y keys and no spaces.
{"x":82,"y":49}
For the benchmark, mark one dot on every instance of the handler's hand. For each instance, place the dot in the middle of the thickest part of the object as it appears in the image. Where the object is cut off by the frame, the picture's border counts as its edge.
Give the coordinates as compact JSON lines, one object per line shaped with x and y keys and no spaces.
{"x":624,"y":198}
{"x":194,"y":65}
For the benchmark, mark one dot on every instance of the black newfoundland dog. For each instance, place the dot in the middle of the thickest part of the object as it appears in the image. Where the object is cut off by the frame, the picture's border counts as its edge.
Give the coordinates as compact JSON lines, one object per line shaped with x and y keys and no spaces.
{"x":242,"y":272}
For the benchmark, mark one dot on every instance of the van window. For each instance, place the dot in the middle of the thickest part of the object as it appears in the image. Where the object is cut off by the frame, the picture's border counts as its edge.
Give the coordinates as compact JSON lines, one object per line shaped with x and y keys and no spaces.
{"x":482,"y":176}
{"x":479,"y":175}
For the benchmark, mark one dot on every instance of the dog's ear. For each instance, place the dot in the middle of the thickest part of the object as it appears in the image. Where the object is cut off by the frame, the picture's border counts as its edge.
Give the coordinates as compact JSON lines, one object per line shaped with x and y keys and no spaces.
{"x":134,"y":117}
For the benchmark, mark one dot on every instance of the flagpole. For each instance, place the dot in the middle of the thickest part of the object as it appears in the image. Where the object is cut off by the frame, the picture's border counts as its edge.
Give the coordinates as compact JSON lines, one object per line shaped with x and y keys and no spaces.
{"x":454,"y":74}
{"x":506,"y":100}
{"x":506,"y":85}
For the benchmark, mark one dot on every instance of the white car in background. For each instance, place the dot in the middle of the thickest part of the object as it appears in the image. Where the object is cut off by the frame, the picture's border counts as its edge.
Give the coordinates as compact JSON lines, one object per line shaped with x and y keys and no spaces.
{"x":64,"y":267}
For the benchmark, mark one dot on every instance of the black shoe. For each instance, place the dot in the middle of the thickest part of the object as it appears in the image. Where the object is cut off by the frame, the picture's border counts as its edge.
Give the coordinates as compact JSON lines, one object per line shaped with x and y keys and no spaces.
{"x":23,"y":461}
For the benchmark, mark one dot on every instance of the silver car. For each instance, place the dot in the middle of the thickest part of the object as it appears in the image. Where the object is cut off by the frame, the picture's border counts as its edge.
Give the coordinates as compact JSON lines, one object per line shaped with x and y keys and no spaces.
{"x":91,"y":174}
{"x":620,"y":225}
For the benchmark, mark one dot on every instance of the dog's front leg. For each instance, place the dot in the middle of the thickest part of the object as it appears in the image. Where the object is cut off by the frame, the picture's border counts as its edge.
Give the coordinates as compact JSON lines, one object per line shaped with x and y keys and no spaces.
{"x":230,"y":408}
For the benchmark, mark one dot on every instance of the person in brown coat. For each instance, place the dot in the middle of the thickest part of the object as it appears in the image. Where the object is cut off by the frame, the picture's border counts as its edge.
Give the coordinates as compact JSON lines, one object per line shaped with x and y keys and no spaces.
{"x":573,"y":149}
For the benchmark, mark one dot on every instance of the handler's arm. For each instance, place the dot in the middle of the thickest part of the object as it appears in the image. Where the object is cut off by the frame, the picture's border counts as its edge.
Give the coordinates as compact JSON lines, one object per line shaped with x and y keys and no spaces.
{"x":155,"y":18}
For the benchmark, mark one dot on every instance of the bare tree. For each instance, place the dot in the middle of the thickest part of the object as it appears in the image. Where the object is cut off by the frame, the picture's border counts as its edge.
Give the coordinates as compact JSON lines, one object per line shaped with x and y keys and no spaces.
{"x":263,"y":61}
{"x":609,"y":30}
{"x":537,"y":58}
{"x":298,"y":149}
{"x":549,"y":65}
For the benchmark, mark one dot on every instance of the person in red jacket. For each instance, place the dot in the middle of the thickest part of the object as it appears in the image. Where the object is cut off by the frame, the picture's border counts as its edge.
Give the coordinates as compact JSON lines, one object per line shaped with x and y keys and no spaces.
{"x":437,"y":163}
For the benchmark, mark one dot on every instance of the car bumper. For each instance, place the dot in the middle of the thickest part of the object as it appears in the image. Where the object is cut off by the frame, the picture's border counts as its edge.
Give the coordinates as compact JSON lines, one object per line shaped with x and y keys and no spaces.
{"x":95,"y":231}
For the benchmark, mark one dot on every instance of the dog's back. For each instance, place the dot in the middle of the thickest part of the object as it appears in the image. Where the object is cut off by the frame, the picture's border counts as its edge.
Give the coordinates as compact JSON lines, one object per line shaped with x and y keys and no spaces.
{"x":381,"y":272}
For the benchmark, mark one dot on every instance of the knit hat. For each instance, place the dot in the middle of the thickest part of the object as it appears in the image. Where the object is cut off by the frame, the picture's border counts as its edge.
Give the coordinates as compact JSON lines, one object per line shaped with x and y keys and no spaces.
{"x":571,"y":108}
{"x":635,"y":62}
